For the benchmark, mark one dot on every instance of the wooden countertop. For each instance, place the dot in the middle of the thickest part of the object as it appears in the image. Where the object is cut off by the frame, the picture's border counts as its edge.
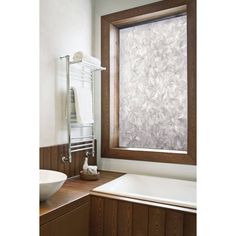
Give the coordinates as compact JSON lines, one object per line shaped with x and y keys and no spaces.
{"x":72,"y":194}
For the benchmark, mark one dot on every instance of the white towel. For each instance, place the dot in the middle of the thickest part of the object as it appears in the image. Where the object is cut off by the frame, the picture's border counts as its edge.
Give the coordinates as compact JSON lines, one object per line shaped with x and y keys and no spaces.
{"x":83,"y":105}
{"x":92,"y":170}
{"x":81,"y":56}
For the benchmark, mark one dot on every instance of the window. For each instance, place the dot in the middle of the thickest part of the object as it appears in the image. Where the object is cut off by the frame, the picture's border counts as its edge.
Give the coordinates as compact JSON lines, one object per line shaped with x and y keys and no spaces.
{"x":153,"y":85}
{"x":149,"y":87}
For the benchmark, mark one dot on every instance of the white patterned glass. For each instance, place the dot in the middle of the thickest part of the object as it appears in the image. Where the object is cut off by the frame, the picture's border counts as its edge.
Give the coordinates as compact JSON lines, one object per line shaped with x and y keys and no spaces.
{"x":153,"y":85}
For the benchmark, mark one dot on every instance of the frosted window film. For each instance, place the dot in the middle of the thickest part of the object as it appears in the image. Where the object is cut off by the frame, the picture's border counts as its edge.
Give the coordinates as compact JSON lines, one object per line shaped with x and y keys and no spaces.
{"x":153,"y":85}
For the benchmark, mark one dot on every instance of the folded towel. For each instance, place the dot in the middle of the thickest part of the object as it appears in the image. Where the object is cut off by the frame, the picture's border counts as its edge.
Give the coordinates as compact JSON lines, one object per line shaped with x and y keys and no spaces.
{"x":83,"y":105}
{"x":81,"y":56}
{"x":92,"y":170}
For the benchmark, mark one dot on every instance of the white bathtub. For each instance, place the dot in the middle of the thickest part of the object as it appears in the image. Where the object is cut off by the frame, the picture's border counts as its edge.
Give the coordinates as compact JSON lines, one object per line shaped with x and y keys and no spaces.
{"x":173,"y":193}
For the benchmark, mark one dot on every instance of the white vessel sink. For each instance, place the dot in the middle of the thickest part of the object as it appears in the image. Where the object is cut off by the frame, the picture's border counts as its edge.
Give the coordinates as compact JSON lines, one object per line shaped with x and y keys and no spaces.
{"x":50,"y":182}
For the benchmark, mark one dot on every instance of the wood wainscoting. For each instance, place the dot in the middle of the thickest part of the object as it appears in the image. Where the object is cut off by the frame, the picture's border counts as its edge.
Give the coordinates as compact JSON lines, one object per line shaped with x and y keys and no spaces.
{"x":110,"y":217}
{"x":50,"y":158}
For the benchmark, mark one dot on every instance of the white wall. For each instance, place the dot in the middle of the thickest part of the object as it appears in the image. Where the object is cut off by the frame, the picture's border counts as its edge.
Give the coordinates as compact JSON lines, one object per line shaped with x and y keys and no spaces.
{"x":65,"y":27}
{"x":103,"y":7}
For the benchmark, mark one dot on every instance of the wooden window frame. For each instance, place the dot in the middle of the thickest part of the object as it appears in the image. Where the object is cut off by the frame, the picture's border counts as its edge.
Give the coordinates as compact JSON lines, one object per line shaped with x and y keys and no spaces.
{"x":110,"y":26}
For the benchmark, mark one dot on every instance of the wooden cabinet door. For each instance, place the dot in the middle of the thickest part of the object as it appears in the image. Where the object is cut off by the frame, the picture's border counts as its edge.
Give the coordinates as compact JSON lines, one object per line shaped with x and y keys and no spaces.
{"x":46,"y":229}
{"x":73,"y":223}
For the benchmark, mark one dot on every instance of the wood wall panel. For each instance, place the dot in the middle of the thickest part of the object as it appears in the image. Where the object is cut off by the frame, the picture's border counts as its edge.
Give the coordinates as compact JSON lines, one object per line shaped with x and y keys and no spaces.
{"x":46,"y":159}
{"x":77,"y":165}
{"x":60,"y":164}
{"x":174,"y":223}
{"x":156,"y":221}
{"x":96,"y":216}
{"x":190,"y":224}
{"x":140,"y":220}
{"x":120,"y":218}
{"x":54,"y":156}
{"x":110,"y":217}
{"x":125,"y":212}
{"x":41,"y":158}
{"x":50,"y":158}
{"x":67,"y":164}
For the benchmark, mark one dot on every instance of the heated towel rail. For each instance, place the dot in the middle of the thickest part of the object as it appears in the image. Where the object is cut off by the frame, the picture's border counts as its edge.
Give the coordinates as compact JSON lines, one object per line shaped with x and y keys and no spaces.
{"x":82,"y":142}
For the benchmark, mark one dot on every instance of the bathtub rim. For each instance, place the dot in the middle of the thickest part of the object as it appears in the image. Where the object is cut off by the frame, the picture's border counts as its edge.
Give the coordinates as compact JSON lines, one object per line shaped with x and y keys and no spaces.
{"x":144,"y":202}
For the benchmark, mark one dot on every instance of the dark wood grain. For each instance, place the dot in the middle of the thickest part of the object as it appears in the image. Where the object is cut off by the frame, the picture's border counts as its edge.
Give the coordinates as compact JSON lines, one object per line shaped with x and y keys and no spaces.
{"x":174,"y":223}
{"x":140,"y":220}
{"x":73,"y":223}
{"x":46,"y":230}
{"x":149,"y":17}
{"x":50,"y":158}
{"x":77,"y":163}
{"x":156,"y":221}
{"x":110,"y":217}
{"x":54,"y":158}
{"x":96,"y":216}
{"x":105,"y":99}
{"x":144,"y":10}
{"x":116,"y":217}
{"x":110,"y":25}
{"x":192,"y":78}
{"x":67,"y":164}
{"x":46,"y":158}
{"x":61,"y":165}
{"x":124,"y":218}
{"x":190,"y":228}
{"x":41,"y":158}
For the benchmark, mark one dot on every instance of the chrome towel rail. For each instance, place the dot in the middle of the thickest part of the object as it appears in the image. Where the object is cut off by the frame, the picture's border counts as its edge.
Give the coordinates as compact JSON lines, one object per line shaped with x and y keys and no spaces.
{"x":80,"y":145}
{"x":83,"y":73}
{"x":84,"y":140}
